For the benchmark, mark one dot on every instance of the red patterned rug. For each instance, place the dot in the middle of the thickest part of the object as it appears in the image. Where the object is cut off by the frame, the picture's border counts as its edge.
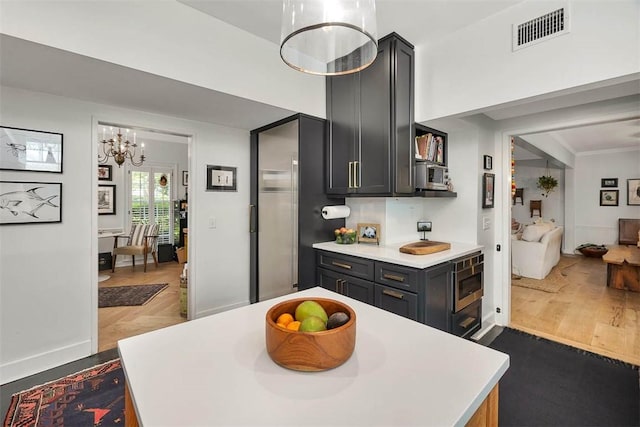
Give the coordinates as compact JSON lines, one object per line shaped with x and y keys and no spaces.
{"x":93,"y":397}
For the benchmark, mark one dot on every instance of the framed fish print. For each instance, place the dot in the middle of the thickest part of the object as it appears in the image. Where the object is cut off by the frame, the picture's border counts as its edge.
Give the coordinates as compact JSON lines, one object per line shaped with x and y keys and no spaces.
{"x":106,"y":199}
{"x":30,"y":150}
{"x":633,"y":192}
{"x":30,"y":202}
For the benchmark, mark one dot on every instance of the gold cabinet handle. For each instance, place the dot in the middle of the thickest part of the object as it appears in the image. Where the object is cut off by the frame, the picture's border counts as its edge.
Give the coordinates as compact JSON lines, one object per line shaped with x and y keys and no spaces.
{"x":339,"y":264}
{"x":350,"y":175}
{"x":393,"y":293}
{"x":393,"y":277}
{"x":356,"y":181}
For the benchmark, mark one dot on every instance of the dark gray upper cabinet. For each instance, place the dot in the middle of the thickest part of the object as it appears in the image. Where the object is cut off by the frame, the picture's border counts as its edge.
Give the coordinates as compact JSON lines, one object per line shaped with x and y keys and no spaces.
{"x":370,"y":117}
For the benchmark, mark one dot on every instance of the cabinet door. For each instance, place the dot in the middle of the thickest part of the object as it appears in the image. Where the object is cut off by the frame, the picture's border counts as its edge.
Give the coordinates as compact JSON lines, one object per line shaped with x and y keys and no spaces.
{"x":439,"y":298}
{"x":342,"y":111}
{"x":404,"y":304}
{"x":373,"y":170}
{"x":402,"y":121}
{"x":361,"y":290}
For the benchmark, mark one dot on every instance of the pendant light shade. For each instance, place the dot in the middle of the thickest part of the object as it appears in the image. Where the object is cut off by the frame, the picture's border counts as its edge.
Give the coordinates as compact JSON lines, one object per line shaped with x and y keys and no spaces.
{"x":329,"y":37}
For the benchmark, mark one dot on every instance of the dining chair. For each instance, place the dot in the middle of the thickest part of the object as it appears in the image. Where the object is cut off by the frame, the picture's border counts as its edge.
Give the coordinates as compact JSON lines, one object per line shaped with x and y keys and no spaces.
{"x":142,"y":240}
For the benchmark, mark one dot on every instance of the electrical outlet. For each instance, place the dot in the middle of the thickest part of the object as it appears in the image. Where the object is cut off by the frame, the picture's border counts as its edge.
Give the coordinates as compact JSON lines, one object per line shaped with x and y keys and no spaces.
{"x":212,"y":222}
{"x":486,"y":223}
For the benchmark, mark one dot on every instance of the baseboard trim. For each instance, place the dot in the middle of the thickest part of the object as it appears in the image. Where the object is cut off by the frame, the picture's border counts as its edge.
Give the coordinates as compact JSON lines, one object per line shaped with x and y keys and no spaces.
{"x":221,"y":309}
{"x":41,"y":362}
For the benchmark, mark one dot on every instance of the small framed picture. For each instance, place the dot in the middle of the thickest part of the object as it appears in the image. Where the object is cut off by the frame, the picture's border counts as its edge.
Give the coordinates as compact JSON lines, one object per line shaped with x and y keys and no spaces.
{"x":221,"y":178}
{"x":104,"y":172}
{"x":608,"y":197}
{"x":633,"y":192}
{"x":30,"y":202}
{"x":106,"y":199}
{"x":368,"y":233}
{"x":488,"y":163}
{"x":185,"y":178}
{"x":30,"y":150}
{"x":609,"y":182}
{"x":488,"y":184}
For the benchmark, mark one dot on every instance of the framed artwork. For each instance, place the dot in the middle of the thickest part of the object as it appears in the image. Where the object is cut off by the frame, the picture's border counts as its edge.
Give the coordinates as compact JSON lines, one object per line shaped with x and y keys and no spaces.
{"x":30,"y":150}
{"x":221,"y":178}
{"x":488,"y":163}
{"x":30,"y":202}
{"x":106,"y":199}
{"x":488,"y":184}
{"x":633,"y":191}
{"x":105,"y":172}
{"x":368,"y":233}
{"x":608,"y":197}
{"x":609,"y":182}
{"x":185,"y":178}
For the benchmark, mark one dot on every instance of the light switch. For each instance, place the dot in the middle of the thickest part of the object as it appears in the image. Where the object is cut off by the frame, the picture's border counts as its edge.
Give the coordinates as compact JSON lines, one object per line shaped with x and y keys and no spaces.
{"x":212,"y":222}
{"x":486,"y":223}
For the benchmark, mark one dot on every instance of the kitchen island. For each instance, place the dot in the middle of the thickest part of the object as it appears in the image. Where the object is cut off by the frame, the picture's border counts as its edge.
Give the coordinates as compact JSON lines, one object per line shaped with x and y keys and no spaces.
{"x":216,"y":371}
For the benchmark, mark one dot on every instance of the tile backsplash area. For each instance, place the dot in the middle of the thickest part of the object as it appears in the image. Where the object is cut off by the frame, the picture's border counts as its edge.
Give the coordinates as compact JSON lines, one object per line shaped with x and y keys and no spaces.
{"x":397,"y":216}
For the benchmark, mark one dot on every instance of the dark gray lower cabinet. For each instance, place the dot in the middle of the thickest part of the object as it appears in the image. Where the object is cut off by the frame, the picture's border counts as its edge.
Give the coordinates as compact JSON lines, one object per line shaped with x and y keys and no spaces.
{"x":359,"y":289}
{"x":424,"y":295}
{"x":402,"y":303}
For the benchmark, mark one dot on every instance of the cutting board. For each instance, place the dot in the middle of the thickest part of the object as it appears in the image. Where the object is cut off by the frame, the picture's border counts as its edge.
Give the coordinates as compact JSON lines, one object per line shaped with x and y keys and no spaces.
{"x":425,"y":247}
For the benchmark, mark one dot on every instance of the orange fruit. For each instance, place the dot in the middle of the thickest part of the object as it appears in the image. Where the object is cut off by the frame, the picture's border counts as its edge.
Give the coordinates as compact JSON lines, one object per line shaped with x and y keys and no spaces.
{"x":294,"y":326}
{"x":283,"y":326}
{"x":285,"y":319}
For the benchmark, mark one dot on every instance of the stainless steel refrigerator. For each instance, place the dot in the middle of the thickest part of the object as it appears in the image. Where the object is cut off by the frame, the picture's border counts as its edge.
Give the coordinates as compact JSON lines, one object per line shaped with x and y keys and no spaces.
{"x":287,"y":196}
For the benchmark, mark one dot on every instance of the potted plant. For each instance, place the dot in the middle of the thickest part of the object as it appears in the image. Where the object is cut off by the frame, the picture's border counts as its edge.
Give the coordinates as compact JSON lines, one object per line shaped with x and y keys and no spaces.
{"x":547,"y":183}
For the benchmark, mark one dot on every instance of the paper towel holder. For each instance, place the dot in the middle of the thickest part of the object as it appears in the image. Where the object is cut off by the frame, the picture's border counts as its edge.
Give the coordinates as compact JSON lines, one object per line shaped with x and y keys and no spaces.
{"x":335,"y":212}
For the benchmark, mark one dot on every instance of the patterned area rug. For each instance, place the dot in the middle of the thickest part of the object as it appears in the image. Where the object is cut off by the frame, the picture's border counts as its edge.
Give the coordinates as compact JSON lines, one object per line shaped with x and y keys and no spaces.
{"x":88,"y":398}
{"x":116,"y":296}
{"x":555,"y":280}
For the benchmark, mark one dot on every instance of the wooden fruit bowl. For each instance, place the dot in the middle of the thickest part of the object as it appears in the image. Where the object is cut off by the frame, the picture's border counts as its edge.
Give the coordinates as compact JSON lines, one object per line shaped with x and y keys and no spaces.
{"x":310,"y":351}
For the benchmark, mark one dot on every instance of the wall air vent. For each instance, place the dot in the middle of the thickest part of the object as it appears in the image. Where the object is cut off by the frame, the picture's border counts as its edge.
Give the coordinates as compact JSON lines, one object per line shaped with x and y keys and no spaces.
{"x":541,"y":28}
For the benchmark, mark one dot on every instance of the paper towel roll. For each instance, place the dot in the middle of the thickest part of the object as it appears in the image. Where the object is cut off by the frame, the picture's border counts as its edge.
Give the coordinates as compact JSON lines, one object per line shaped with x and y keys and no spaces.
{"x":333,"y":212}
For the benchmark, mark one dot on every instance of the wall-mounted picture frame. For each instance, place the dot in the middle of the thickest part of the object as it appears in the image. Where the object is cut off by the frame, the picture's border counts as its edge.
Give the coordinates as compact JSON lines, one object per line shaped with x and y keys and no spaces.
{"x":105,"y":172}
{"x":488,"y":162}
{"x":488,"y":185}
{"x":106,"y":199}
{"x":30,"y":202}
{"x":368,"y":233}
{"x":185,"y":178}
{"x":609,"y":182}
{"x":608,"y":197}
{"x":221,"y":178}
{"x":633,"y":192}
{"x":30,"y":150}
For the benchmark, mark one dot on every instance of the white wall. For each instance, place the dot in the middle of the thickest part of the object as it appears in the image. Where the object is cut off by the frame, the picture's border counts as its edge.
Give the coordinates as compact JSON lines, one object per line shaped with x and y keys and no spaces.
{"x":594,"y":223}
{"x":47,"y":313}
{"x":168,"y":39}
{"x":475,"y":68}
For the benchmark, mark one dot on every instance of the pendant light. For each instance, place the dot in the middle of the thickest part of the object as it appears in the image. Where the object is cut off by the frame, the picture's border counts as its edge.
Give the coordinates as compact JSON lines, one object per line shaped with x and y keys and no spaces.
{"x":329,"y":37}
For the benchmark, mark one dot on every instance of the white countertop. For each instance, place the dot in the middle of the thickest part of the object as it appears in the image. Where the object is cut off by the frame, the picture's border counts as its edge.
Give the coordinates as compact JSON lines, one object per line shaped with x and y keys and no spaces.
{"x":216,"y":371}
{"x":391,"y":253}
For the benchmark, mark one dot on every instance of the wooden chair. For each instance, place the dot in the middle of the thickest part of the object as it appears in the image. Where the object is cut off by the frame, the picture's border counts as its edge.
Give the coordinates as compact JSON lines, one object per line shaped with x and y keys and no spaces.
{"x":519,"y":194}
{"x":142,"y":240}
{"x":535,"y":205}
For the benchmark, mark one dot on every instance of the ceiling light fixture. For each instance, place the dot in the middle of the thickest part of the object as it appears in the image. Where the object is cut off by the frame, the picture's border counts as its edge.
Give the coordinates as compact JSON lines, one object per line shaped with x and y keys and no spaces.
{"x":120,"y":150}
{"x":329,"y":37}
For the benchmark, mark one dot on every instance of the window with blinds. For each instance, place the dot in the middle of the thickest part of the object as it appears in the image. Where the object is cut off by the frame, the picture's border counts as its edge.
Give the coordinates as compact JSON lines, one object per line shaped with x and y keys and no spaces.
{"x":150,"y":200}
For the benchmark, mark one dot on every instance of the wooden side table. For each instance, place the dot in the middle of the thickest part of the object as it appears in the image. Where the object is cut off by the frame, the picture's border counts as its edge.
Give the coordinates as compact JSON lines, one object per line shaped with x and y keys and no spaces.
{"x":623,"y":267}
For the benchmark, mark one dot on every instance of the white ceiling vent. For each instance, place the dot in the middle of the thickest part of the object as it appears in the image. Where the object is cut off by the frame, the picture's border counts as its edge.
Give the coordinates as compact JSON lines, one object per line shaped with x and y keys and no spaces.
{"x":541,"y":28}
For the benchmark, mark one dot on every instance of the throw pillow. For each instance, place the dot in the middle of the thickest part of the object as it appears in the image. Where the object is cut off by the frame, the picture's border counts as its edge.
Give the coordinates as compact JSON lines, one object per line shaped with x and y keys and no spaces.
{"x":533,"y":233}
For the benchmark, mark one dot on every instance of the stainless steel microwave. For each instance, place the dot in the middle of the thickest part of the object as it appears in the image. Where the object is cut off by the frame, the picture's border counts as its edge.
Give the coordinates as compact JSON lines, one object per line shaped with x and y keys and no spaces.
{"x":431,"y":177}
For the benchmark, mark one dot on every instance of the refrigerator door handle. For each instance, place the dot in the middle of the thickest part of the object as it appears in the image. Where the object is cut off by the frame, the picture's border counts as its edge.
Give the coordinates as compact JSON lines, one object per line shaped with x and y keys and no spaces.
{"x":252,"y":218}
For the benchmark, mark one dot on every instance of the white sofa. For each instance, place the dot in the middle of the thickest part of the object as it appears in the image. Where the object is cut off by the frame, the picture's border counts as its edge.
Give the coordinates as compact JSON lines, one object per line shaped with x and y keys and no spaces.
{"x":537,"y":251}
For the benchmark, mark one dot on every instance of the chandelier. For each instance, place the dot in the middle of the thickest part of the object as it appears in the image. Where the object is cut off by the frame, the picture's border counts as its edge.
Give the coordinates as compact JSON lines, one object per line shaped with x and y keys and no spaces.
{"x":330,"y":37}
{"x":120,"y":149}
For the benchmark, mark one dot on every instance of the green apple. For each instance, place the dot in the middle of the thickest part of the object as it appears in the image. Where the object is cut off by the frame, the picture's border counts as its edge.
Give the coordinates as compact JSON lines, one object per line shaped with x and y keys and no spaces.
{"x":310,"y":308}
{"x":312,"y":324}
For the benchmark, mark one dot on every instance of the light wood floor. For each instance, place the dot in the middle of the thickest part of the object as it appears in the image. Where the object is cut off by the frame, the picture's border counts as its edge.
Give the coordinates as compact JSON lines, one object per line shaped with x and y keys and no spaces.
{"x":584,"y":314}
{"x":116,"y":323}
